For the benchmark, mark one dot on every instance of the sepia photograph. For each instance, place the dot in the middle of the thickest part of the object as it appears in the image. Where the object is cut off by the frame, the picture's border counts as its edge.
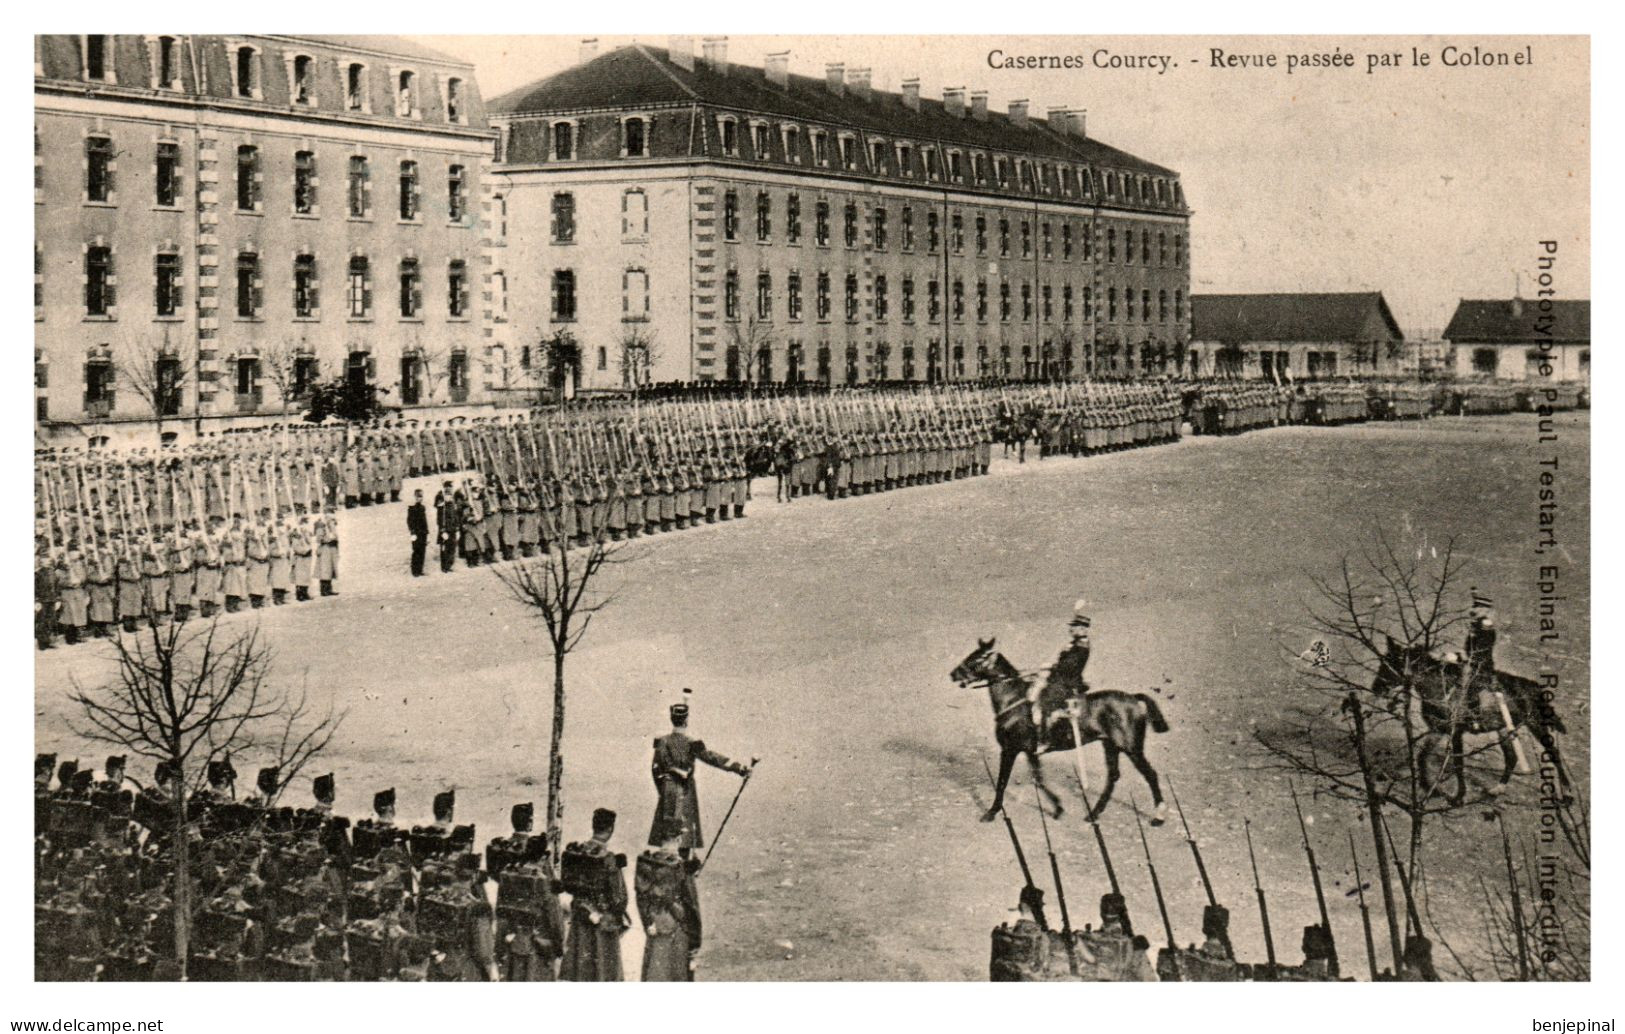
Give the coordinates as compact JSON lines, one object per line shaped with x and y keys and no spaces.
{"x":458,"y":457}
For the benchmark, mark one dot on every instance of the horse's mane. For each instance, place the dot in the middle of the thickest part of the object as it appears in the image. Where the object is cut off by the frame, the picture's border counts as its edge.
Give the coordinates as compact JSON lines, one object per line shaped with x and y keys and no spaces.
{"x":1002,"y":665}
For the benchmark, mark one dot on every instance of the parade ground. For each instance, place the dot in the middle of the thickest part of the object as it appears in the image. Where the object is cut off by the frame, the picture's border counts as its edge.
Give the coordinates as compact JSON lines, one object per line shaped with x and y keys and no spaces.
{"x":820,"y":635}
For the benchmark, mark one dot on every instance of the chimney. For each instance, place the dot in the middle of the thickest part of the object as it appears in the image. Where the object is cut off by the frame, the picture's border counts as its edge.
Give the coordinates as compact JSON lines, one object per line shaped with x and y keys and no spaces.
{"x":1080,"y":124}
{"x":1060,"y":121}
{"x":911,"y":94}
{"x":681,"y":51}
{"x":858,"y":79}
{"x":778,"y":69}
{"x":1018,"y":114}
{"x":835,"y":78}
{"x":953,"y":101}
{"x":978,"y":105}
{"x":589,"y":50}
{"x":715,"y":52}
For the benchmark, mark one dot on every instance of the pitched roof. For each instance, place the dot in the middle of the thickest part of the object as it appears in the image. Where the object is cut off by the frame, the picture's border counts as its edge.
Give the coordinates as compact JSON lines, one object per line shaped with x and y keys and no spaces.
{"x":639,"y":75}
{"x":1354,"y":316}
{"x":396,"y":45}
{"x":1519,"y":321}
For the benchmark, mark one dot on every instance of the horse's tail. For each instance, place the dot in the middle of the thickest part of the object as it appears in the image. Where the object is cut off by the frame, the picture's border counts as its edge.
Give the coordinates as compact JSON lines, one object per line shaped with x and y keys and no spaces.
{"x":1153,"y":712}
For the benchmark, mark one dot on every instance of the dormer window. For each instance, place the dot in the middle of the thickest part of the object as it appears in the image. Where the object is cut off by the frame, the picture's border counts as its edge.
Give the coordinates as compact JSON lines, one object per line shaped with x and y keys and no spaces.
{"x":728,"y":129}
{"x":1086,"y":182}
{"x":303,"y":88}
{"x":634,"y":139}
{"x":99,"y":59}
{"x":1179,"y":194}
{"x":564,"y":141}
{"x":849,"y":152}
{"x":406,"y":85}
{"x":877,"y":156}
{"x":820,"y":142}
{"x":956,"y":166}
{"x":169,"y":70}
{"x":759,"y":137}
{"x":355,"y":88}
{"x":979,"y":168}
{"x":1026,"y":170}
{"x":246,"y":67}
{"x":792,"y":144}
{"x":454,"y":101}
{"x":905,"y":155}
{"x":933,"y":164}
{"x":1111,"y":184}
{"x":1001,"y":168}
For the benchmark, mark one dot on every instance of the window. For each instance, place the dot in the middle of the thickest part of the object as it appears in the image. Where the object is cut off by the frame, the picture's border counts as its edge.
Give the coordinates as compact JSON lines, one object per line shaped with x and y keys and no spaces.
{"x":457,"y":376}
{"x":564,"y":295}
{"x":821,"y":224}
{"x":166,"y":277}
{"x":908,"y":228}
{"x":1026,"y":302}
{"x":1111,"y":245}
{"x":1049,"y":240}
{"x":764,"y":296}
{"x":360,"y":287}
{"x":880,"y":229}
{"x":908,"y":298}
{"x":412,"y":370}
{"x":1048,"y":302}
{"x":250,"y":288}
{"x":851,"y":297}
{"x":730,"y":216}
{"x":304,"y":375}
{"x":1066,"y":242}
{"x":169,"y":69}
{"x":360,"y":192}
{"x":303,"y":88}
{"x":99,"y":169}
{"x":457,"y":289}
{"x":764,"y":216}
{"x":635,"y":294}
{"x":759,"y":137}
{"x":792,"y":219}
{"x":1026,"y":239}
{"x":1111,"y":304}
{"x":933,"y":300}
{"x":1162,"y":306}
{"x":564,"y":144}
{"x":905,"y":159}
{"x":933,"y":164}
{"x":730,"y":294}
{"x":877,"y":156}
{"x":958,"y":224}
{"x":1066,"y":304}
{"x":39,"y":281}
{"x":822,"y":299}
{"x":167,"y":384}
{"x":304,"y":183}
{"x":355,"y":88}
{"x":634,"y":214}
{"x":849,"y":152}
{"x":167,"y":176}
{"x":1145,"y":247}
{"x":305,"y":301}
{"x":730,"y":137}
{"x":98,"y":59}
{"x":1128,"y":305}
{"x":454,"y":101}
{"x":981,"y":301}
{"x":851,"y":224}
{"x":1145,"y":306}
{"x":882,"y":299}
{"x":249,"y":393}
{"x":248,"y":178}
{"x":1004,"y":237}
{"x":820,"y":142}
{"x":1162,"y":248}
{"x":956,"y":166}
{"x":792,"y":144}
{"x":1004,"y":300}
{"x":499,"y":213}
{"x":100,"y":287}
{"x":406,"y":96}
{"x":564,"y":218}
{"x":409,"y":207}
{"x":933,"y":232}
{"x":411,"y":300}
{"x":1179,"y":249}
{"x":958,"y":293}
{"x":633,"y":144}
{"x":1179,"y":305}
{"x":792,"y":289}
{"x":499,"y":295}
{"x":1001,"y":169}
{"x":1088,"y":302}
{"x":246,"y":67}
{"x":456,"y":193}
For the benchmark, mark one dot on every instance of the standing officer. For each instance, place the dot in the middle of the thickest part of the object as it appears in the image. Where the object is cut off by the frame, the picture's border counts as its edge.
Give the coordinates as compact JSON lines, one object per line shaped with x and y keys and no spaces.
{"x":675,"y":755}
{"x":417,"y":522}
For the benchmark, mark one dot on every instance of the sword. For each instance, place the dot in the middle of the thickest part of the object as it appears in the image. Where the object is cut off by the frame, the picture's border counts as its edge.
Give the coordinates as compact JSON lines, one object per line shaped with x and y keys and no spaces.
{"x":1077,"y":743}
{"x":728,"y":815}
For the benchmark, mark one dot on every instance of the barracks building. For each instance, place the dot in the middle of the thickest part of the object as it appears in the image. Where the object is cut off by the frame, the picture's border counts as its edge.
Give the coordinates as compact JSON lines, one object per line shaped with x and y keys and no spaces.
{"x":220,"y":222}
{"x":1298,"y":336}
{"x":1515,"y":339}
{"x":667,"y":215}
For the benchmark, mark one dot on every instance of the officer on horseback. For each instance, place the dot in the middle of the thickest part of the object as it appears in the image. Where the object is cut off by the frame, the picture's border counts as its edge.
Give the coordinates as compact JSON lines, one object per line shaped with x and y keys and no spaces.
{"x":1067,"y":671}
{"x":1478,"y":669}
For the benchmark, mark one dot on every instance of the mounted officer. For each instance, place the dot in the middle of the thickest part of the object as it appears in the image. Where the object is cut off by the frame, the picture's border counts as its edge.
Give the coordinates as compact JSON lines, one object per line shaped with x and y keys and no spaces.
{"x":1478,"y":668}
{"x":1066,"y":673}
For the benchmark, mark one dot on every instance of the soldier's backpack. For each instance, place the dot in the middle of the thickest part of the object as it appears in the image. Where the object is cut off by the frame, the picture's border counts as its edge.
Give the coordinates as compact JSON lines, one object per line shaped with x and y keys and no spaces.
{"x":658,"y":879}
{"x":586,"y":869}
{"x":1018,"y":953}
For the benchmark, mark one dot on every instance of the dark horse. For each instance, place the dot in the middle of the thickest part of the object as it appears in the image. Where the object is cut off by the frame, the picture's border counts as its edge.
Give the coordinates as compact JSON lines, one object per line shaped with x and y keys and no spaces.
{"x":1117,"y":719}
{"x":1436,"y":684}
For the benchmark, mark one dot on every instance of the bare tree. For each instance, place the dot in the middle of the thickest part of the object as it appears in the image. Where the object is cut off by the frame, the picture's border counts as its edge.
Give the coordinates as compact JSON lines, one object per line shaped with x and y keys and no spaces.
{"x":560,"y":586}
{"x":157,"y":373}
{"x":750,"y":336}
{"x":507,"y":372}
{"x":639,"y":352}
{"x":185,"y":694}
{"x":1538,"y":924}
{"x":279,"y":364}
{"x":436,"y":366}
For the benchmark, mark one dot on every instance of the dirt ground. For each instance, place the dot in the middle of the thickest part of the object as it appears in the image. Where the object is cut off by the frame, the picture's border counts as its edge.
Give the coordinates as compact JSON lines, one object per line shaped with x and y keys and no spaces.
{"x":819,"y":636}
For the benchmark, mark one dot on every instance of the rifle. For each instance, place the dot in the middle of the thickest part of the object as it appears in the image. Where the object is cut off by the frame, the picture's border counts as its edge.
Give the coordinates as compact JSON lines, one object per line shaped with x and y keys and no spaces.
{"x":1156,"y":884}
{"x":1314,"y":872}
{"x":1021,"y":856}
{"x":1106,"y":858}
{"x":1263,"y":906}
{"x":1196,"y":852}
{"x":1365,"y":911}
{"x":1060,"y":893}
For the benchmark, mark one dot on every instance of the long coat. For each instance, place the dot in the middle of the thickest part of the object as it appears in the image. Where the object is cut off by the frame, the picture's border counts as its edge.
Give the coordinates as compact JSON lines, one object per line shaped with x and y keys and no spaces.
{"x":675,"y":756}
{"x":669,"y":906}
{"x":592,"y":951}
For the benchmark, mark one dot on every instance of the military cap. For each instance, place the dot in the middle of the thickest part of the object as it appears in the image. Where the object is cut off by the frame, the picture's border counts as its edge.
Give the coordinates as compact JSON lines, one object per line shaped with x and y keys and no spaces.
{"x":1317,"y":943}
{"x":65,"y":771}
{"x":1032,"y":899}
{"x":523,"y":817}
{"x":84,"y":780}
{"x":1079,"y":618}
{"x":1480,"y":600}
{"x":221,"y":772}
{"x":603,"y":820}
{"x":44,"y":764}
{"x":383,"y":800}
{"x":322,"y":787}
{"x":445,"y":802}
{"x":163,"y":772}
{"x":115,"y":763}
{"x":1215,"y":921}
{"x":267,"y":780}
{"x":1112,"y":906}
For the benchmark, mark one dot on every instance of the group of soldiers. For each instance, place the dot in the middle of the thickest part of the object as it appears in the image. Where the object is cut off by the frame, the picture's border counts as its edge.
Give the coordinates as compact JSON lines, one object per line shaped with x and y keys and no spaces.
{"x":1068,"y":420}
{"x":303,"y":894}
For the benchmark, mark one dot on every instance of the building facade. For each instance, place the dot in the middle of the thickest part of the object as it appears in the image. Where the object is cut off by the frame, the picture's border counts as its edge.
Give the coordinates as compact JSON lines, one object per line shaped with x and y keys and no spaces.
{"x":1298,"y":336}
{"x":662,"y":215}
{"x":222,"y":222}
{"x":1521,"y":340}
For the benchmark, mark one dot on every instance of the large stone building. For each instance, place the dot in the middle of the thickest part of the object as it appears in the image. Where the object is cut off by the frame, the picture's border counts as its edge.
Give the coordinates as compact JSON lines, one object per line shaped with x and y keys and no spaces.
{"x":222,"y":221}
{"x":1515,"y":339}
{"x":662,"y":215}
{"x":1297,"y":336}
